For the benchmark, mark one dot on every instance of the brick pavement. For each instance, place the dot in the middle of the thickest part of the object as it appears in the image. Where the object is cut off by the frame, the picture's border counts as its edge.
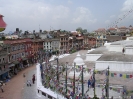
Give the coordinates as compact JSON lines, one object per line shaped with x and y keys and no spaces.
{"x":14,"y":88}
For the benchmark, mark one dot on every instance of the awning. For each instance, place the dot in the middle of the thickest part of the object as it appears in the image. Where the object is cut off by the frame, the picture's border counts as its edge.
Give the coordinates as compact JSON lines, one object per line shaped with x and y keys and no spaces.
{"x":11,"y":65}
{"x":2,"y":72}
{"x":16,"y":62}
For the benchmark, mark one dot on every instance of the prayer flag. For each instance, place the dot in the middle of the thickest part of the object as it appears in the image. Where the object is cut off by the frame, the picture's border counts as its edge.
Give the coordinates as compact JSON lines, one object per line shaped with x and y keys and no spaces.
{"x":112,"y":74}
{"x":131,"y":76}
{"x":89,"y":83}
{"x":124,"y":76}
{"x":120,"y":75}
{"x":127,"y":76}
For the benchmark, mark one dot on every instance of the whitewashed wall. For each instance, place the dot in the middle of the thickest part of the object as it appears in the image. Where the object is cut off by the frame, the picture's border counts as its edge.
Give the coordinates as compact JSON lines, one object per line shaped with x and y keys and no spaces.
{"x":116,"y":48}
{"x":48,"y":43}
{"x":129,"y":50}
{"x":92,"y":57}
{"x":114,"y":65}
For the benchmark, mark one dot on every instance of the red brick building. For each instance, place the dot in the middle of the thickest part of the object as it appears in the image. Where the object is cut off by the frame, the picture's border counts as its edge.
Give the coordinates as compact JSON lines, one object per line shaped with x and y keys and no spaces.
{"x":37,"y":50}
{"x":18,"y":54}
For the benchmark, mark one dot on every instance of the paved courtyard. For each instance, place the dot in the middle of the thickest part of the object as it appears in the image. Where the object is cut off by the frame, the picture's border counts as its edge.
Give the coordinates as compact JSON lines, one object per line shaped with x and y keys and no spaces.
{"x":16,"y":88}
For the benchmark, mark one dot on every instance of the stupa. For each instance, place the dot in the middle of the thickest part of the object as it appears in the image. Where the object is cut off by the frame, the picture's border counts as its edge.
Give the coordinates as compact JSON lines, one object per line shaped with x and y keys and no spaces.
{"x":79,"y":62}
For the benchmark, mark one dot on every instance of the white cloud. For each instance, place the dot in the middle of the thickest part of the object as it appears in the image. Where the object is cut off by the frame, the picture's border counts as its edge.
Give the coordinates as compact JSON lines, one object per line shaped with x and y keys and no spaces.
{"x":112,"y":16}
{"x":124,"y":19}
{"x":70,"y":2}
{"x":83,"y":15}
{"x":29,"y":14}
{"x":107,"y":22}
{"x":128,"y":4}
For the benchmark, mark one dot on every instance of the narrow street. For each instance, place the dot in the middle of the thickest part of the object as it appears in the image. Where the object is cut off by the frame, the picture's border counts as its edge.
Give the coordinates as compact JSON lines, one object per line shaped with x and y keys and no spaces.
{"x":16,"y":88}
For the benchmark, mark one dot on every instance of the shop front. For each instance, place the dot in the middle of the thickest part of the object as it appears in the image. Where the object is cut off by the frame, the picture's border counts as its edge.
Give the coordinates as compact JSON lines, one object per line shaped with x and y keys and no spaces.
{"x":4,"y":75}
{"x":25,"y":62}
{"x":11,"y":71}
{"x":16,"y":67}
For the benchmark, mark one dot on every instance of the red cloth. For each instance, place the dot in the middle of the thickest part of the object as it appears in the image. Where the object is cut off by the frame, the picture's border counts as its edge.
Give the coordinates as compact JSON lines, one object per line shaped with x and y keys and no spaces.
{"x":2,"y":23}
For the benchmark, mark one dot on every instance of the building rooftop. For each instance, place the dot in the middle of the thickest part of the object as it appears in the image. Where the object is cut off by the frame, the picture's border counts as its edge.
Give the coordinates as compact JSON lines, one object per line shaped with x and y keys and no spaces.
{"x":99,"y":50}
{"x":115,"y":56}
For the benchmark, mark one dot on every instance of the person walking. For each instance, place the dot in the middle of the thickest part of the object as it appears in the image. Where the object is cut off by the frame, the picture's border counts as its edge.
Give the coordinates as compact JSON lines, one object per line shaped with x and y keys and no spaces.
{"x":112,"y":97}
{"x":23,"y":74}
{"x":29,"y":83}
{"x":1,"y":87}
{"x":33,"y":80}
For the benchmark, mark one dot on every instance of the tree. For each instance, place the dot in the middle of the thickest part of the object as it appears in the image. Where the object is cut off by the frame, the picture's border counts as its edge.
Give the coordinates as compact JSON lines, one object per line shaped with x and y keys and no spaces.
{"x":79,"y":29}
{"x":84,"y":31}
{"x":131,"y":33}
{"x":20,"y":31}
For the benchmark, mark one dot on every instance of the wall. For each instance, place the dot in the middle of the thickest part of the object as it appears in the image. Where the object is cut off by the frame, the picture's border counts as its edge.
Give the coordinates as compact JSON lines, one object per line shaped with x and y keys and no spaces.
{"x":92,"y":57}
{"x":114,"y":66}
{"x":116,"y":48}
{"x":129,"y":50}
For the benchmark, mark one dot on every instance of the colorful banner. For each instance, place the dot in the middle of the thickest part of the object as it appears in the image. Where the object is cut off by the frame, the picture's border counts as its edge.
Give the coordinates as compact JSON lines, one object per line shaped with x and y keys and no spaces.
{"x":114,"y":74}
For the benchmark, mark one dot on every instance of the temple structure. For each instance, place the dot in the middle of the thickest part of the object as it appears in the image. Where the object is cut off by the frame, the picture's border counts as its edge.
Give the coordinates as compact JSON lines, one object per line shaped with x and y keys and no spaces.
{"x":79,"y":62}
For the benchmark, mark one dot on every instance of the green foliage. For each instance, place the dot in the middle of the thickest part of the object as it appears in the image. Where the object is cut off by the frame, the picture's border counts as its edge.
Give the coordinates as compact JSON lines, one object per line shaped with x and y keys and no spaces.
{"x":79,"y":29}
{"x":95,"y":97}
{"x":73,"y":51}
{"x":3,"y":38}
{"x":131,"y":33}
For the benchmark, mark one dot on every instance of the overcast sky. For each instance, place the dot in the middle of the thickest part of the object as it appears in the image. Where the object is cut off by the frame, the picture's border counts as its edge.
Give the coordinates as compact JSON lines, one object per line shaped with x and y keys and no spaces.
{"x":64,"y":14}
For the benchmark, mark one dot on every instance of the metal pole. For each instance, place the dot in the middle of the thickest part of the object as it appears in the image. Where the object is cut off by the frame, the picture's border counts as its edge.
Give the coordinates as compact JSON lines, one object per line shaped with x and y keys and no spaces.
{"x":57,"y":69}
{"x":82,"y":82}
{"x":66,"y":77}
{"x":107,"y":84}
{"x":74,"y":81}
{"x":47,"y":69}
{"x":94,"y":82}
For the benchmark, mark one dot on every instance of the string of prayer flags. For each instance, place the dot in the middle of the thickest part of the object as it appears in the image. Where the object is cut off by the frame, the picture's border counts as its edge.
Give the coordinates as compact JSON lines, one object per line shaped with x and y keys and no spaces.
{"x":121,"y":75}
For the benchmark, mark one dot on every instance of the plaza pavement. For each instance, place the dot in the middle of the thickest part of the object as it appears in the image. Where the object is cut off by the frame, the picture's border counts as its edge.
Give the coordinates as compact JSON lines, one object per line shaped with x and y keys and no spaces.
{"x":16,"y":88}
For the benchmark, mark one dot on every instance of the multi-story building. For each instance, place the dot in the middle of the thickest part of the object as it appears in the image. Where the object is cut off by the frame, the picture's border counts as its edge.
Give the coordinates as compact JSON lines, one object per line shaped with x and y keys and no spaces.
{"x":85,"y":40}
{"x":4,"y":69}
{"x":92,"y":42}
{"x":55,"y":44}
{"x":123,"y":31}
{"x":64,"y":43}
{"x":18,"y":54}
{"x":37,"y":49}
{"x":101,"y":36}
{"x":47,"y":45}
{"x":112,"y":31}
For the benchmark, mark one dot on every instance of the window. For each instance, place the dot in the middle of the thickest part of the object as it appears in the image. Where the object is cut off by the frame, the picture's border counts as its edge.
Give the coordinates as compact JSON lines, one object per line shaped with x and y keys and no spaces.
{"x":12,"y":56}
